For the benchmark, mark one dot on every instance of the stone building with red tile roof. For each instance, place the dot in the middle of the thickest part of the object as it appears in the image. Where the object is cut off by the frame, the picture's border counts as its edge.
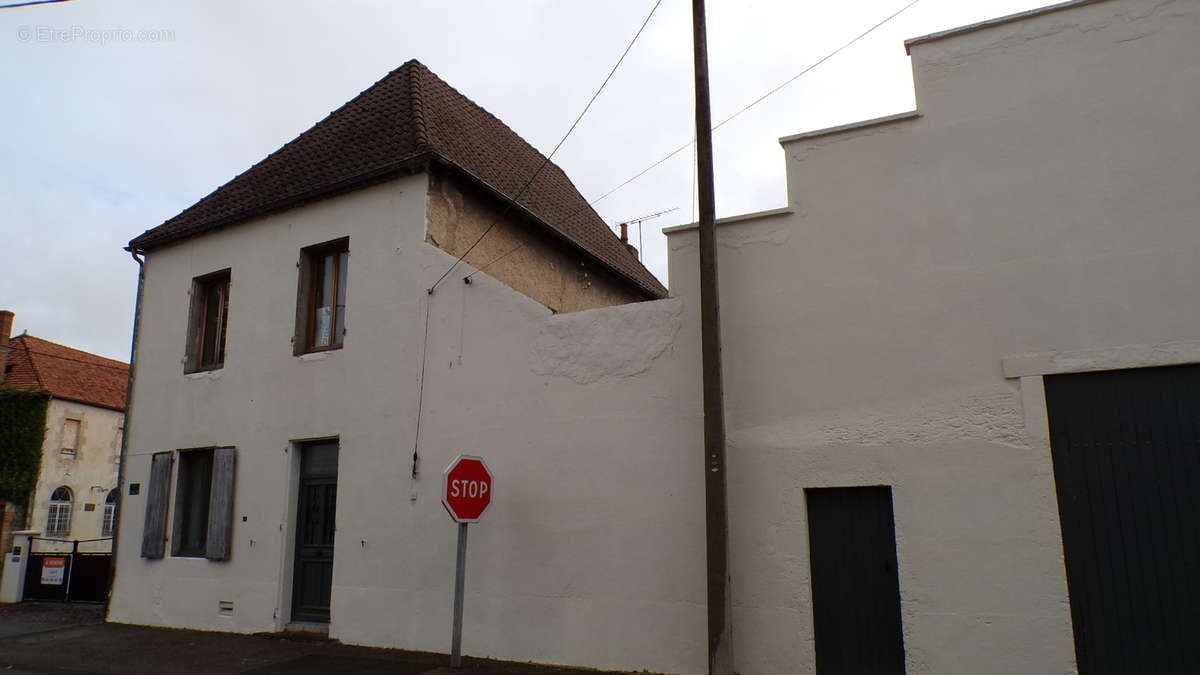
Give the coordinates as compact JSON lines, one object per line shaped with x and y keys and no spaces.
{"x":75,"y":494}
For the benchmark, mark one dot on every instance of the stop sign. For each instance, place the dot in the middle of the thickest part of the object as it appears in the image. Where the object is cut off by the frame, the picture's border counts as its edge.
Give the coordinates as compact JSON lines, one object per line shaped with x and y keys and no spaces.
{"x":466,"y":488}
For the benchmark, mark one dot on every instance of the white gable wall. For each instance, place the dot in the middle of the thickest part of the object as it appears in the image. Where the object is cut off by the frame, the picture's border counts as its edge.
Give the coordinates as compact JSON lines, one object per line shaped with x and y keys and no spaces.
{"x":1044,"y":201}
{"x":592,"y":552}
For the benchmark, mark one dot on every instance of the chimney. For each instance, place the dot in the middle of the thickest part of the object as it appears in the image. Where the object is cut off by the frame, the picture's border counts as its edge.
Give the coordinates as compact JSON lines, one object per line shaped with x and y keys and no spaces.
{"x":625,"y":240}
{"x":6,"y":321}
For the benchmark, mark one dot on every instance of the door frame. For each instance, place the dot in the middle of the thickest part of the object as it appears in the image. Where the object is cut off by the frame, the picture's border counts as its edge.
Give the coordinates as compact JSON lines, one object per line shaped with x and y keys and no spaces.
{"x":287,"y":552}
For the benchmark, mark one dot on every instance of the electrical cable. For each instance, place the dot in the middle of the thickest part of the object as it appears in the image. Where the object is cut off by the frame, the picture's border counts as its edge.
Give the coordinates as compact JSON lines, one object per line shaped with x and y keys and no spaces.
{"x":546,"y":160}
{"x":511,"y":202}
{"x":32,"y":2}
{"x":692,"y":142}
{"x":421,"y":389}
{"x":760,"y":99}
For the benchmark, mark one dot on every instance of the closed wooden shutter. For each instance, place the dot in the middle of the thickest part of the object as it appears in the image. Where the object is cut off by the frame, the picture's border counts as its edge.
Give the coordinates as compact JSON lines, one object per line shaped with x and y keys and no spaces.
{"x":220,"y":505}
{"x":154,"y":531}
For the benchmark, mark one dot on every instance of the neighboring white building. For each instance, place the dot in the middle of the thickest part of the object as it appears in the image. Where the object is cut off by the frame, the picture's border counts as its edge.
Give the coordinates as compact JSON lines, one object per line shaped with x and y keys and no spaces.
{"x":75,"y":497}
{"x":945,"y":290}
{"x":907,"y":320}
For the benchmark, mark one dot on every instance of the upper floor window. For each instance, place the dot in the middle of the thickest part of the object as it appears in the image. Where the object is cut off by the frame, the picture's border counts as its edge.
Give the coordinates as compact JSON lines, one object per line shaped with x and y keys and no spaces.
{"x":110,"y":513}
{"x":207,"y":322}
{"x":321,"y":307}
{"x":70,"y":437}
{"x":58,"y":519}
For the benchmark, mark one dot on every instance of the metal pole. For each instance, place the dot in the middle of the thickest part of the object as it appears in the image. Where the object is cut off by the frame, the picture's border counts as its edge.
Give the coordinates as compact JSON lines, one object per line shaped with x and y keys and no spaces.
{"x":720,"y":616}
{"x":460,"y":577}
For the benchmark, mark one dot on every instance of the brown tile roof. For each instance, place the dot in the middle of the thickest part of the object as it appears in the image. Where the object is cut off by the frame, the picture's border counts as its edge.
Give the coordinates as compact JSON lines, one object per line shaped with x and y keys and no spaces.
{"x":34,"y":363}
{"x":403,"y":120}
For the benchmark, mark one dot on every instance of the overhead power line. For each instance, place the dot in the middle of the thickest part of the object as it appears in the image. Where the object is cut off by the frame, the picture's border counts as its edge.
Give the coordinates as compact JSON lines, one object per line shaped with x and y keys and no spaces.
{"x":31,"y":2}
{"x":716,"y":126}
{"x":760,"y":99}
{"x":546,"y":161}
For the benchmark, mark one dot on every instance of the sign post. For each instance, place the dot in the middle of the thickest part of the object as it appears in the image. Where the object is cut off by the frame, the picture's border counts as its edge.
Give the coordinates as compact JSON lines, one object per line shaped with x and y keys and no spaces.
{"x":466,"y":494}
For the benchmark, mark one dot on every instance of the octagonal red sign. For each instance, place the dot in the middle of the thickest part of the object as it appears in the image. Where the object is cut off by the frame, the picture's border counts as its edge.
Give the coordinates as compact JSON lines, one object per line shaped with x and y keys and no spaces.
{"x":467,"y":488}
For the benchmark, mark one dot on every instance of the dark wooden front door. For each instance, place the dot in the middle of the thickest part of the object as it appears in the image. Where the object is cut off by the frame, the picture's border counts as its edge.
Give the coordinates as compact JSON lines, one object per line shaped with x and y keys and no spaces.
{"x":1126,"y":450}
{"x":855,"y":586}
{"x":313,"y":576}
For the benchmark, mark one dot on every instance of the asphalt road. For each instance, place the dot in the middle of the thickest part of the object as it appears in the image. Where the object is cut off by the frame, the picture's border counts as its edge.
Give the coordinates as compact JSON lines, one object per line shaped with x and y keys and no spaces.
{"x":74,"y":640}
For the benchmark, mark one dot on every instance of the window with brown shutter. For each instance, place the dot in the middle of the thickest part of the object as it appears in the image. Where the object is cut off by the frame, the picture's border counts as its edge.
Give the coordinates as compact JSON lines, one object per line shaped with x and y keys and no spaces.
{"x":321,"y":301}
{"x":204,"y":504}
{"x":208,"y":322}
{"x":203,"y":514}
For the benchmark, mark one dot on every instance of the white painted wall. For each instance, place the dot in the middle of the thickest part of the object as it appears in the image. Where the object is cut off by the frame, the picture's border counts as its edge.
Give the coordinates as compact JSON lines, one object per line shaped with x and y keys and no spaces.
{"x":90,"y":473}
{"x":1045,"y":201}
{"x":592,"y":552}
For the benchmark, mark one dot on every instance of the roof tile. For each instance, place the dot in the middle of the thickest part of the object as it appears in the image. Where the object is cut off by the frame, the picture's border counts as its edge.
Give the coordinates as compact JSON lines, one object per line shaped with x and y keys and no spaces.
{"x":409,"y":115}
{"x":41,"y":365}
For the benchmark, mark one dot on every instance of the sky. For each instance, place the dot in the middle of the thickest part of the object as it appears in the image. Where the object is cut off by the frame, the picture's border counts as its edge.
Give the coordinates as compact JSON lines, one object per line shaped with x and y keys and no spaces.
{"x":117,"y":115}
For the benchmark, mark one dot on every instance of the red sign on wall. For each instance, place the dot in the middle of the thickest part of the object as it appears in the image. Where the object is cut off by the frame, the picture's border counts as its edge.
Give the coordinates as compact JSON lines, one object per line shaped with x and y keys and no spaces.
{"x":467,"y":488}
{"x":54,"y":571}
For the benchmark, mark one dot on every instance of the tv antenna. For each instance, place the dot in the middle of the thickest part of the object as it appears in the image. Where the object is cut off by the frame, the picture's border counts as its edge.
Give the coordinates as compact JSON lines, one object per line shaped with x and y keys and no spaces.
{"x":624,"y":225}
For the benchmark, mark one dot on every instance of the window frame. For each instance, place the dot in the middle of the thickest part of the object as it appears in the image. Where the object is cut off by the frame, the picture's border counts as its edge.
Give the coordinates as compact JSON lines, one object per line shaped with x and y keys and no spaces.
{"x":60,"y":511}
{"x":198,"y":324}
{"x":214,"y":524}
{"x":306,"y":296}
{"x":73,"y":451}
{"x":110,"y":513}
{"x":185,"y":501}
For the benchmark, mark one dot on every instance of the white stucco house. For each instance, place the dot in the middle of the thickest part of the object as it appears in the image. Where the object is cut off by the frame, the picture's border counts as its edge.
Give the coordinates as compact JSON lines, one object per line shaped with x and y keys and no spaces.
{"x":299,"y":389}
{"x":960,"y":382}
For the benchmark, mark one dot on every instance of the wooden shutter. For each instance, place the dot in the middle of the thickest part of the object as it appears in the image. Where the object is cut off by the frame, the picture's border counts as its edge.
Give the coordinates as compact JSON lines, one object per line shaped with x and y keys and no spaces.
{"x":220,"y":504}
{"x":154,"y":530}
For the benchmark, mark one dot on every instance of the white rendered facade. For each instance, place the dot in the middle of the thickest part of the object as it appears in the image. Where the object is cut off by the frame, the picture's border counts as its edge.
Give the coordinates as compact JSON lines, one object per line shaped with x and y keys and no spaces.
{"x":892,"y":325}
{"x":588,"y":553}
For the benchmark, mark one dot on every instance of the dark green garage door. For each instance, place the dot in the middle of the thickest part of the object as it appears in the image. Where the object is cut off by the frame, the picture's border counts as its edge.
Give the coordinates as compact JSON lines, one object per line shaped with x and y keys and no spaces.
{"x":1126,"y":449}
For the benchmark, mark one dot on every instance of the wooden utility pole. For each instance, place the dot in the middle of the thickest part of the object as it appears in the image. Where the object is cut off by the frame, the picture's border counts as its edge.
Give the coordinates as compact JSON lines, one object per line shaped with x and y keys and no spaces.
{"x":720,"y":629}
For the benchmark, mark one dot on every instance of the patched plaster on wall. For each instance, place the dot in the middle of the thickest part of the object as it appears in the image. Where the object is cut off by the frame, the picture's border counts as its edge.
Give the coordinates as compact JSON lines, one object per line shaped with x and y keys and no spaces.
{"x":991,"y":414}
{"x":605,"y":343}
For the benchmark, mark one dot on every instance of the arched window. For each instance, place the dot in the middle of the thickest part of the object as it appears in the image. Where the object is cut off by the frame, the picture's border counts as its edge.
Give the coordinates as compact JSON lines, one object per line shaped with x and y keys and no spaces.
{"x":110,"y":513}
{"x":58,"y":522}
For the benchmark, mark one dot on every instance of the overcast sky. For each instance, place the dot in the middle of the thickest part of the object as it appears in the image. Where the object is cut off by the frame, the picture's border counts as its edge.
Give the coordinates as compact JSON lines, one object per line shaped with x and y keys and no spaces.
{"x":118,"y":115}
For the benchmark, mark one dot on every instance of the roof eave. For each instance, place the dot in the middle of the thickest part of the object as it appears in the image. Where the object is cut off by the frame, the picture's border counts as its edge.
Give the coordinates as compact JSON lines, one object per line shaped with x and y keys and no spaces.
{"x":419,"y":161}
{"x":94,"y":404}
{"x":142,"y":243}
